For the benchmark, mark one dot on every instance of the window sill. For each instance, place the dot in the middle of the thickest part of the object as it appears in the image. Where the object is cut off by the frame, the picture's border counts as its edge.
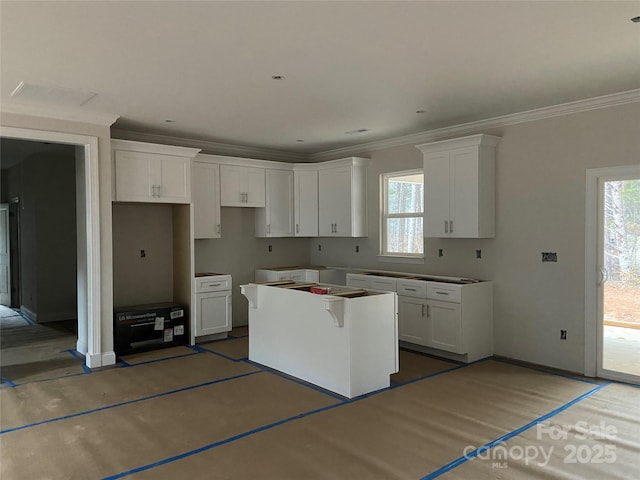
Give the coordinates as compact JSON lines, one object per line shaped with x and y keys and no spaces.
{"x":400,"y":259}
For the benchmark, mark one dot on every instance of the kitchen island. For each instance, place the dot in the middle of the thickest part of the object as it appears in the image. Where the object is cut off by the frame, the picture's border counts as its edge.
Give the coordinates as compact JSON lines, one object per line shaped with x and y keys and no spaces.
{"x":345,"y":341}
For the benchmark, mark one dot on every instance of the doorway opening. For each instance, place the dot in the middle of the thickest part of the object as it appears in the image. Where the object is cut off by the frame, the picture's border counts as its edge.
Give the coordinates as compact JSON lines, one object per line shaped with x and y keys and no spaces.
{"x":613,"y":265}
{"x":88,"y":238}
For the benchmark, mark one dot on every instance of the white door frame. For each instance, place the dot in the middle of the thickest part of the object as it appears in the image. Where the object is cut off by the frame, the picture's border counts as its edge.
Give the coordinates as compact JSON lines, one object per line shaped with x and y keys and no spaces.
{"x":593,"y":255}
{"x":7,"y":241}
{"x":89,"y":325}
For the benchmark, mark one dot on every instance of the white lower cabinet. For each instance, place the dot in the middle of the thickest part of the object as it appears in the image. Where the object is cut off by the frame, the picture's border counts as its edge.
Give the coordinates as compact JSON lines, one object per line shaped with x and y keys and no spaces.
{"x":212,"y":305}
{"x":438,"y":317}
{"x":412,"y":320}
{"x":213,"y":313}
{"x":444,"y":324}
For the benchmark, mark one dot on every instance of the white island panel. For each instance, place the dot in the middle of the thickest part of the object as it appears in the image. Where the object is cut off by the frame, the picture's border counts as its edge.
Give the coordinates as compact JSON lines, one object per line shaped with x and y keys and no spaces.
{"x":351,"y":352}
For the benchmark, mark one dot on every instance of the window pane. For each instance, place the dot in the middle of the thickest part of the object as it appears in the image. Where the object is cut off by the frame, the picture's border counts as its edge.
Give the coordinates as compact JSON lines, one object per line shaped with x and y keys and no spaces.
{"x":404,"y":235}
{"x":404,"y":194}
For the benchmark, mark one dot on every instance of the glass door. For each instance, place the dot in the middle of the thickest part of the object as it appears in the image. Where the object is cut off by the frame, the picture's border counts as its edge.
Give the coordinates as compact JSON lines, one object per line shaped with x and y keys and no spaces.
{"x":619,"y":282}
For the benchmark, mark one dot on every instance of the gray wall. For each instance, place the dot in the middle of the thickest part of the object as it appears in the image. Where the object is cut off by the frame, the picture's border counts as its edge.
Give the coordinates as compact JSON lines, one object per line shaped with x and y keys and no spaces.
{"x":140,"y":280}
{"x":239,"y":253}
{"x":540,"y":206}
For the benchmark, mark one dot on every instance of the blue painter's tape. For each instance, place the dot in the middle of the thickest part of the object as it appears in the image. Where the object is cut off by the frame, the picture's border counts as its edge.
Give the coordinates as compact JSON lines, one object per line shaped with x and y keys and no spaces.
{"x":459,"y":461}
{"x":263,"y":428}
{"x":221,"y":442}
{"x":124,"y":363}
{"x":7,"y":382}
{"x":206,"y":350}
{"x":197,"y":348}
{"x":137,"y":400}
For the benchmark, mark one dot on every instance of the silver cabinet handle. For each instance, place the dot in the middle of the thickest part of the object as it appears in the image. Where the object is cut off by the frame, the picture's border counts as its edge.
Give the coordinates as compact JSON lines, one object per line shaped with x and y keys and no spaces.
{"x":446,"y":226}
{"x":269,"y":228}
{"x":218,"y":228}
{"x":153,"y":191}
{"x":410,"y":289}
{"x":443,"y":293}
{"x":428,"y":311}
{"x":450,"y":226}
{"x":336,"y":230}
{"x":242,"y":197}
{"x":213,"y":284}
{"x":297,"y":228}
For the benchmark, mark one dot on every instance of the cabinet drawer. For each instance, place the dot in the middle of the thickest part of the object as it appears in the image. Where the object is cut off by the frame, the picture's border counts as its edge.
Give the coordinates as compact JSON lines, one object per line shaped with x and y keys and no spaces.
{"x":355,"y":280}
{"x":212,"y":284}
{"x":412,"y":288}
{"x":383,"y":283}
{"x":444,"y":292}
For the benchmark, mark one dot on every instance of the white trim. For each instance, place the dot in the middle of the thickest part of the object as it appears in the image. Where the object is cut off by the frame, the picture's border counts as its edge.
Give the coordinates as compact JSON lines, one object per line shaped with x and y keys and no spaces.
{"x":61,"y":113}
{"x":593,"y":256}
{"x":216,"y":148}
{"x":93,"y":345}
{"x":603,"y":101}
{"x":132,"y":146}
{"x":213,"y":148}
{"x":243,"y":162}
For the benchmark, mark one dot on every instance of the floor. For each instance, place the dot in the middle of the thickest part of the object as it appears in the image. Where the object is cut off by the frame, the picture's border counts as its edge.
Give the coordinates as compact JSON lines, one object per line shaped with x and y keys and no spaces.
{"x":208,"y":412}
{"x":30,"y":352}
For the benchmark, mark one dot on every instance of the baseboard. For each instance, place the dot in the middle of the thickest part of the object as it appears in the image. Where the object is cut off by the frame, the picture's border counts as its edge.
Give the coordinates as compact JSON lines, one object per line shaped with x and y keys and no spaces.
{"x":57,"y":316}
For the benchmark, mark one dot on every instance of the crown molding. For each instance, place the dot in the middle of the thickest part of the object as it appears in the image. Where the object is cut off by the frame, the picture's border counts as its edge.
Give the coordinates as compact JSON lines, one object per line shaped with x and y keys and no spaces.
{"x":60,"y":113}
{"x":569,"y":108}
{"x":213,"y":148}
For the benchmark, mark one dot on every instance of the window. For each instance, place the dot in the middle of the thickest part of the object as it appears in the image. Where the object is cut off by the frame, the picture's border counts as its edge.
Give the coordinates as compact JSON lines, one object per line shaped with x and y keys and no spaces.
{"x":402,"y":210}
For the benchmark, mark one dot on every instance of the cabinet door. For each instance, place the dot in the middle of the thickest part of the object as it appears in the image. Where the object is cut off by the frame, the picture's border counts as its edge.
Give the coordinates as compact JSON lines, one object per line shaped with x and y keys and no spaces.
{"x":134,"y":176}
{"x":445,"y":326}
{"x":213,"y":313}
{"x":437,"y":178}
{"x":306,"y":204}
{"x":255,"y":187}
{"x":464,"y":193}
{"x":334,"y":205}
{"x":231,"y":186}
{"x":205,"y":196}
{"x":279,"y":203}
{"x":174,"y":179}
{"x":412,"y":320}
{"x":384,"y":284}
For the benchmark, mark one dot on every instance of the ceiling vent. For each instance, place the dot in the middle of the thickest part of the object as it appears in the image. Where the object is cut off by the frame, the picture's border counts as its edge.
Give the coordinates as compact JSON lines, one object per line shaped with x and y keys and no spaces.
{"x":63,"y":97}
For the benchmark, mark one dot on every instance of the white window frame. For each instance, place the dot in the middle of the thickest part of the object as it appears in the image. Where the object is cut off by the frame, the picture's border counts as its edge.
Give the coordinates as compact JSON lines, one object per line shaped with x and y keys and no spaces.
{"x":384,"y":215}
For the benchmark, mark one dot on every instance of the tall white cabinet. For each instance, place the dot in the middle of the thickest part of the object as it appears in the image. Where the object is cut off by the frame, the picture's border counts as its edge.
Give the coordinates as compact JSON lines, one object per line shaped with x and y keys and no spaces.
{"x":305,"y":196}
{"x":276,"y":218}
{"x":459,"y":178}
{"x":205,"y":197}
{"x":342,"y":198}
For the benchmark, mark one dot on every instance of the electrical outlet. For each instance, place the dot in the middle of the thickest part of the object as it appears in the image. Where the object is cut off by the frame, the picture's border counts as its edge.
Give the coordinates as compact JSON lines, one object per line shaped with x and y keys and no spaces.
{"x":357,"y":248}
{"x":143,"y":254}
{"x":441,"y":252}
{"x":478,"y":253}
{"x":270,"y":248}
{"x":549,"y":257}
{"x":319,"y":247}
{"x":563,"y":334}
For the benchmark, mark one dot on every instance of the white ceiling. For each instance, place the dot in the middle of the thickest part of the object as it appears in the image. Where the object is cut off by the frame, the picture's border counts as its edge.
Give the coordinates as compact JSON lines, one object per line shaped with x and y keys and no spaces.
{"x":347,"y":65}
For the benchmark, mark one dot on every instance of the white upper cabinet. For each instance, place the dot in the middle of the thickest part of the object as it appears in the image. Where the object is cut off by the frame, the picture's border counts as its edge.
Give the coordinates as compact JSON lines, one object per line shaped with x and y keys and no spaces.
{"x":276,"y":218}
{"x":242,"y":186}
{"x":305,"y":196}
{"x":146,"y":172}
{"x":205,"y":194}
{"x":459,"y":177}
{"x":342,"y":198}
